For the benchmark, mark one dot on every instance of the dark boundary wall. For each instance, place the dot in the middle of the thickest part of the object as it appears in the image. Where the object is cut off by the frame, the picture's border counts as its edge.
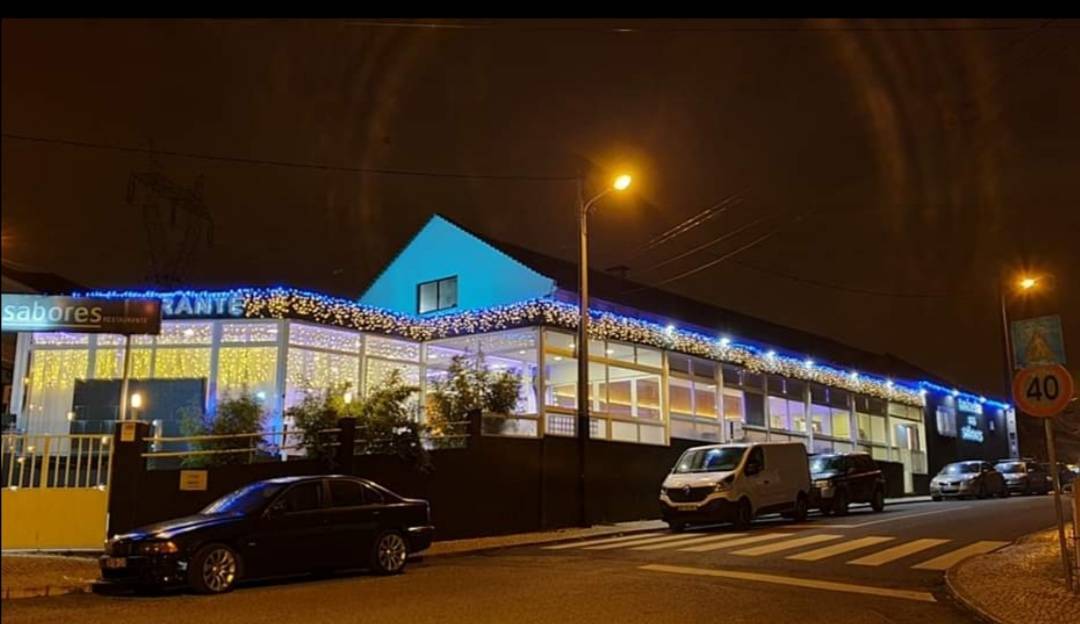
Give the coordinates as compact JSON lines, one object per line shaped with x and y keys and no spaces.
{"x":495,"y":486}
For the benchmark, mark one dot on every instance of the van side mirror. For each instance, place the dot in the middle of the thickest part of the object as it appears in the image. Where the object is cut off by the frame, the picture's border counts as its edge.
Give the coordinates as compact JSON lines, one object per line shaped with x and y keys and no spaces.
{"x":752,"y":469}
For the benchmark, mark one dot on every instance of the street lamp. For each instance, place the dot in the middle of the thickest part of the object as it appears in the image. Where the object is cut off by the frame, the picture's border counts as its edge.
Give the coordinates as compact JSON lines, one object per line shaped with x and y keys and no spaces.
{"x":1024,"y":285}
{"x":619,"y":184}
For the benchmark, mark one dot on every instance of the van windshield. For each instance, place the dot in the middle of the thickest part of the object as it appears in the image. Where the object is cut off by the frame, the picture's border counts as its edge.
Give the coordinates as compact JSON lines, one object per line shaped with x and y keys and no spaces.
{"x":710,"y":459}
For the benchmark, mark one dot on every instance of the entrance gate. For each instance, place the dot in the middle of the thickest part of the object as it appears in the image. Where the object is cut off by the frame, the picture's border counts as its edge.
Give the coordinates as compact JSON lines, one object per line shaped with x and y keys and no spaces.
{"x":55,"y":490}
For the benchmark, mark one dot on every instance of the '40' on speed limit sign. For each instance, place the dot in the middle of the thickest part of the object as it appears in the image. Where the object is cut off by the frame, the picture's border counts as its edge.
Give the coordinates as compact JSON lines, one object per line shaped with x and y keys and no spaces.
{"x":1043,"y":390}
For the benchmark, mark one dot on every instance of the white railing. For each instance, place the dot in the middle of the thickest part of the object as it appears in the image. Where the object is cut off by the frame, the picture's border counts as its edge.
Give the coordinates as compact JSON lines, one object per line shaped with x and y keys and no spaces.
{"x":259,"y":444}
{"x":55,"y":460}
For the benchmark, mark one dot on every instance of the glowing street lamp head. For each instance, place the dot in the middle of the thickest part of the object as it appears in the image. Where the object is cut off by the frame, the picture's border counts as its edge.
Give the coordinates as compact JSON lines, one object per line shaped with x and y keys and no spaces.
{"x":136,"y":400}
{"x":1028,"y":283}
{"x":622,"y":182}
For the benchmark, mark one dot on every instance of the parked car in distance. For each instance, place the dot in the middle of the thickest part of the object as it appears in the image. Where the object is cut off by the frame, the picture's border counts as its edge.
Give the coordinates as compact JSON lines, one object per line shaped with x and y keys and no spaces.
{"x":735,"y":483}
{"x":844,"y":478}
{"x":966,"y":479}
{"x":1024,"y":477}
{"x":275,"y":527}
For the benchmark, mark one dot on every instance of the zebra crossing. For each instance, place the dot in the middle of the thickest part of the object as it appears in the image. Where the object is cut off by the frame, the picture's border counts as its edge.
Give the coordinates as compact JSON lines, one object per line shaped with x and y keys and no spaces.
{"x":866,"y":551}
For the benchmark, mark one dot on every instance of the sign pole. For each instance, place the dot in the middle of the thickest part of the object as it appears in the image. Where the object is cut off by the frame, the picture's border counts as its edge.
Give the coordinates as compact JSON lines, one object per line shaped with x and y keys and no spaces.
{"x":1050,"y":451}
{"x":127,"y":375}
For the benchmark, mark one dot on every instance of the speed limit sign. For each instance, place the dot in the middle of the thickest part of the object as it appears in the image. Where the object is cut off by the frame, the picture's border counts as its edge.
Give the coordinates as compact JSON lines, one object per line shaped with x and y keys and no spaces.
{"x":1043,"y":390}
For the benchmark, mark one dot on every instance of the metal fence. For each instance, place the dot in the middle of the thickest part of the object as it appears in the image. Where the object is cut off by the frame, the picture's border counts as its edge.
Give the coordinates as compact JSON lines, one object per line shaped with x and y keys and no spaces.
{"x":56,"y":460}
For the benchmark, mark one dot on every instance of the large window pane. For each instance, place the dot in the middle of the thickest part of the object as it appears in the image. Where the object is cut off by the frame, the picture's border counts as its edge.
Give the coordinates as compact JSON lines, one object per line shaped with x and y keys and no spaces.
{"x":181,"y":363}
{"x":778,"y":413}
{"x":820,"y":418}
{"x":109,"y":363}
{"x":755,"y":409}
{"x":797,"y":415}
{"x":680,"y":397}
{"x":392,"y":349}
{"x":733,"y":405}
{"x":185,"y":333}
{"x":313,"y":372}
{"x":877,"y":429}
{"x":841,"y":423}
{"x":323,"y":338}
{"x":704,"y":399}
{"x":560,"y":374}
{"x":246,"y":369}
{"x":52,"y":376}
{"x":863,"y":421}
{"x":648,"y":397}
{"x":249,"y":331}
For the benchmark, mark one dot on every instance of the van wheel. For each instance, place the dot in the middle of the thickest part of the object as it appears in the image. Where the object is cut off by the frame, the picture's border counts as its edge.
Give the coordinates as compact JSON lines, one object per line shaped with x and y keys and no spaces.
{"x":744,"y":514}
{"x":802,"y":508}
{"x":677,"y":527}
{"x":840,"y":502}
{"x":877,"y":503}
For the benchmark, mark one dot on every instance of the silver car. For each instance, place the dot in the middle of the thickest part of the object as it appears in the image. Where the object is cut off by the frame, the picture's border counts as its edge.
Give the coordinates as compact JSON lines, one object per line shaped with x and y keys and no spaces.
{"x":968,"y":479}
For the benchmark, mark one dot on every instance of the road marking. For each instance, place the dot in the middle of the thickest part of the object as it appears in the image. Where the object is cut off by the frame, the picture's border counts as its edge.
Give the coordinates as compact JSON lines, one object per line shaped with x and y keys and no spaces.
{"x":690,"y":541}
{"x":948,"y":560}
{"x":839,"y":549}
{"x":737,"y":542}
{"x":896,"y":552}
{"x":903,"y":517}
{"x":640,"y":542}
{"x":795,"y":582}
{"x":607,"y":540}
{"x":757,"y":551}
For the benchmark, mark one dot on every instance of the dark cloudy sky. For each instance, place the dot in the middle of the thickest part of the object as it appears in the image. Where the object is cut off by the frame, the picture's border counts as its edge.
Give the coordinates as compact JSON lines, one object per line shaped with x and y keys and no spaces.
{"x":888,"y":170}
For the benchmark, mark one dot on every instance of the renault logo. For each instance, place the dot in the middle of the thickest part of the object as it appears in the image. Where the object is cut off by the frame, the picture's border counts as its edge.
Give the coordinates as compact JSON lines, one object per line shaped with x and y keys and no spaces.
{"x":686,"y":489}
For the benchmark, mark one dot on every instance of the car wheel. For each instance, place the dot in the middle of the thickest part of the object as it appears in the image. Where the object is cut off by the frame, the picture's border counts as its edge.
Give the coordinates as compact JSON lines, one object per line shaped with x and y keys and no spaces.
{"x":840,"y":503}
{"x":802,"y":508}
{"x":677,"y":527}
{"x":214,"y":569}
{"x":826,"y":510}
{"x":936,"y":499}
{"x":1004,"y":493}
{"x":389,"y":554}
{"x":877,"y":503}
{"x":981,"y":492}
{"x":744,"y":514}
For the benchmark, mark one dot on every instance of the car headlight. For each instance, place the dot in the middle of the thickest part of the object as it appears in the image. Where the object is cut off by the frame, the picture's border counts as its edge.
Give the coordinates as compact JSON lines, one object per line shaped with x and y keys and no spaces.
{"x":822,"y":484}
{"x":724,"y":484}
{"x":156,"y":547}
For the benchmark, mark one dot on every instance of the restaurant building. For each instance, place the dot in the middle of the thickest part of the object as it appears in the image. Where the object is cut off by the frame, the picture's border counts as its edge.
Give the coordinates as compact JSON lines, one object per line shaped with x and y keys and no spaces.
{"x":661,"y":366}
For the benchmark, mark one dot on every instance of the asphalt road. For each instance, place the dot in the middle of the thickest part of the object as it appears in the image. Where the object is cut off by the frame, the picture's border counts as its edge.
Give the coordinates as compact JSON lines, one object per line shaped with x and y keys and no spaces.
{"x":862,"y":568}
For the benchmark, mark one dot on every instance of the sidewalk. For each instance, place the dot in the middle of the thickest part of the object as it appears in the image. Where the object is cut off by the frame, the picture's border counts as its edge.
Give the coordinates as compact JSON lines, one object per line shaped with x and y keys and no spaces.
{"x":31,"y":575}
{"x":1019,"y":584}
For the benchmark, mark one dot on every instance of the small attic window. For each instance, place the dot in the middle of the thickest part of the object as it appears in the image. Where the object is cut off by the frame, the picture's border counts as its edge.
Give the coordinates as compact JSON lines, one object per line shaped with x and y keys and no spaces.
{"x":437,"y":295}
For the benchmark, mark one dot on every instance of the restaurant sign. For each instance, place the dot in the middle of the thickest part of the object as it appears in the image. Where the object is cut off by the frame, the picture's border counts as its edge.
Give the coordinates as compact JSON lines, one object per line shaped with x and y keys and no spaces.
{"x":43,"y":313}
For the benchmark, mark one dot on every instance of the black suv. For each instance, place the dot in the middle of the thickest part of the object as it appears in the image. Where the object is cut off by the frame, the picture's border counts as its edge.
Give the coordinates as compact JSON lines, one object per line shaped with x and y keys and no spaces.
{"x":842,"y":479}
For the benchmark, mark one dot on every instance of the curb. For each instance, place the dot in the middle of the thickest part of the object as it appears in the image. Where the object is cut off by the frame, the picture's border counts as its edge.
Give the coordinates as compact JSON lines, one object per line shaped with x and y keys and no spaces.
{"x":42,"y":592}
{"x":966,"y":602}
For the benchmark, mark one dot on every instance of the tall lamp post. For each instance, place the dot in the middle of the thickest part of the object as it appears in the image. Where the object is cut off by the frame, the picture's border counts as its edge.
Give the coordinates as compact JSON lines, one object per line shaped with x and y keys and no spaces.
{"x":1024,"y":284}
{"x":619,"y":184}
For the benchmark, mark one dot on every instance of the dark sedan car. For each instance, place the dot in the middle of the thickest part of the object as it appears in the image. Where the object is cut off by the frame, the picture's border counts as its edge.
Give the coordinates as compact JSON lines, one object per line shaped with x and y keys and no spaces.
{"x":842,"y":479}
{"x":271,"y":528}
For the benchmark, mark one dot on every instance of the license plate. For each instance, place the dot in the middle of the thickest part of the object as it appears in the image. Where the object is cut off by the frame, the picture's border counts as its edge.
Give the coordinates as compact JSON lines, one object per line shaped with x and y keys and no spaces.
{"x":115,"y":563}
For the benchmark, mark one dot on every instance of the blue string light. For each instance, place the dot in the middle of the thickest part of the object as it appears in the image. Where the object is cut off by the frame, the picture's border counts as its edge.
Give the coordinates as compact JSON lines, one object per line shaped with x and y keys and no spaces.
{"x":285,"y":302}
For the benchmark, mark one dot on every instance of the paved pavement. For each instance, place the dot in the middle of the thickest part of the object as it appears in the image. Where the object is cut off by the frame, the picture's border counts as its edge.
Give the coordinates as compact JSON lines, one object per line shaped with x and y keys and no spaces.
{"x":1020,"y":584}
{"x":809,"y":572}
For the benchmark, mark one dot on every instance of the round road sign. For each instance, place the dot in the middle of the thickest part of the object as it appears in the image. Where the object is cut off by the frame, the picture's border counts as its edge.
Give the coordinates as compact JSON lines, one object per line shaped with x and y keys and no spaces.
{"x":1043,"y":390}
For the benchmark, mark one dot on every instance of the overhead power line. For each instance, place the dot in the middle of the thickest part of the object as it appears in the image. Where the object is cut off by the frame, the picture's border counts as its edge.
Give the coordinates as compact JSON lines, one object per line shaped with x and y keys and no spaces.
{"x":286,"y":163}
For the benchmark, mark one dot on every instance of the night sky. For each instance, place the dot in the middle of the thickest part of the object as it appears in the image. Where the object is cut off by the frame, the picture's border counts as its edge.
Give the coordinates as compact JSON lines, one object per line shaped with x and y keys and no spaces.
{"x":880,"y":174}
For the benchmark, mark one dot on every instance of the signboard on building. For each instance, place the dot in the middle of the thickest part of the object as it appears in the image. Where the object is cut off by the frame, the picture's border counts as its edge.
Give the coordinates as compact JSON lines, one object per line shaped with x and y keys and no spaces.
{"x":193,"y":480}
{"x":971,"y":430}
{"x":42,"y":313}
{"x":1037,"y":341}
{"x":202,"y":305}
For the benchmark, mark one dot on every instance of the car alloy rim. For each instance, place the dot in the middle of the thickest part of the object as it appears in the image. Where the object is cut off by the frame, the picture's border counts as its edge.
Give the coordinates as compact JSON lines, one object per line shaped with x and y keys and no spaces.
{"x":391,"y":552}
{"x":219,"y":569}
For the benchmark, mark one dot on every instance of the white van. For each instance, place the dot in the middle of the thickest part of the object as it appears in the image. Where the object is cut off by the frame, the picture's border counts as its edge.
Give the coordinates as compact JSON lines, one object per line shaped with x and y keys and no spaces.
{"x":735,"y":483}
